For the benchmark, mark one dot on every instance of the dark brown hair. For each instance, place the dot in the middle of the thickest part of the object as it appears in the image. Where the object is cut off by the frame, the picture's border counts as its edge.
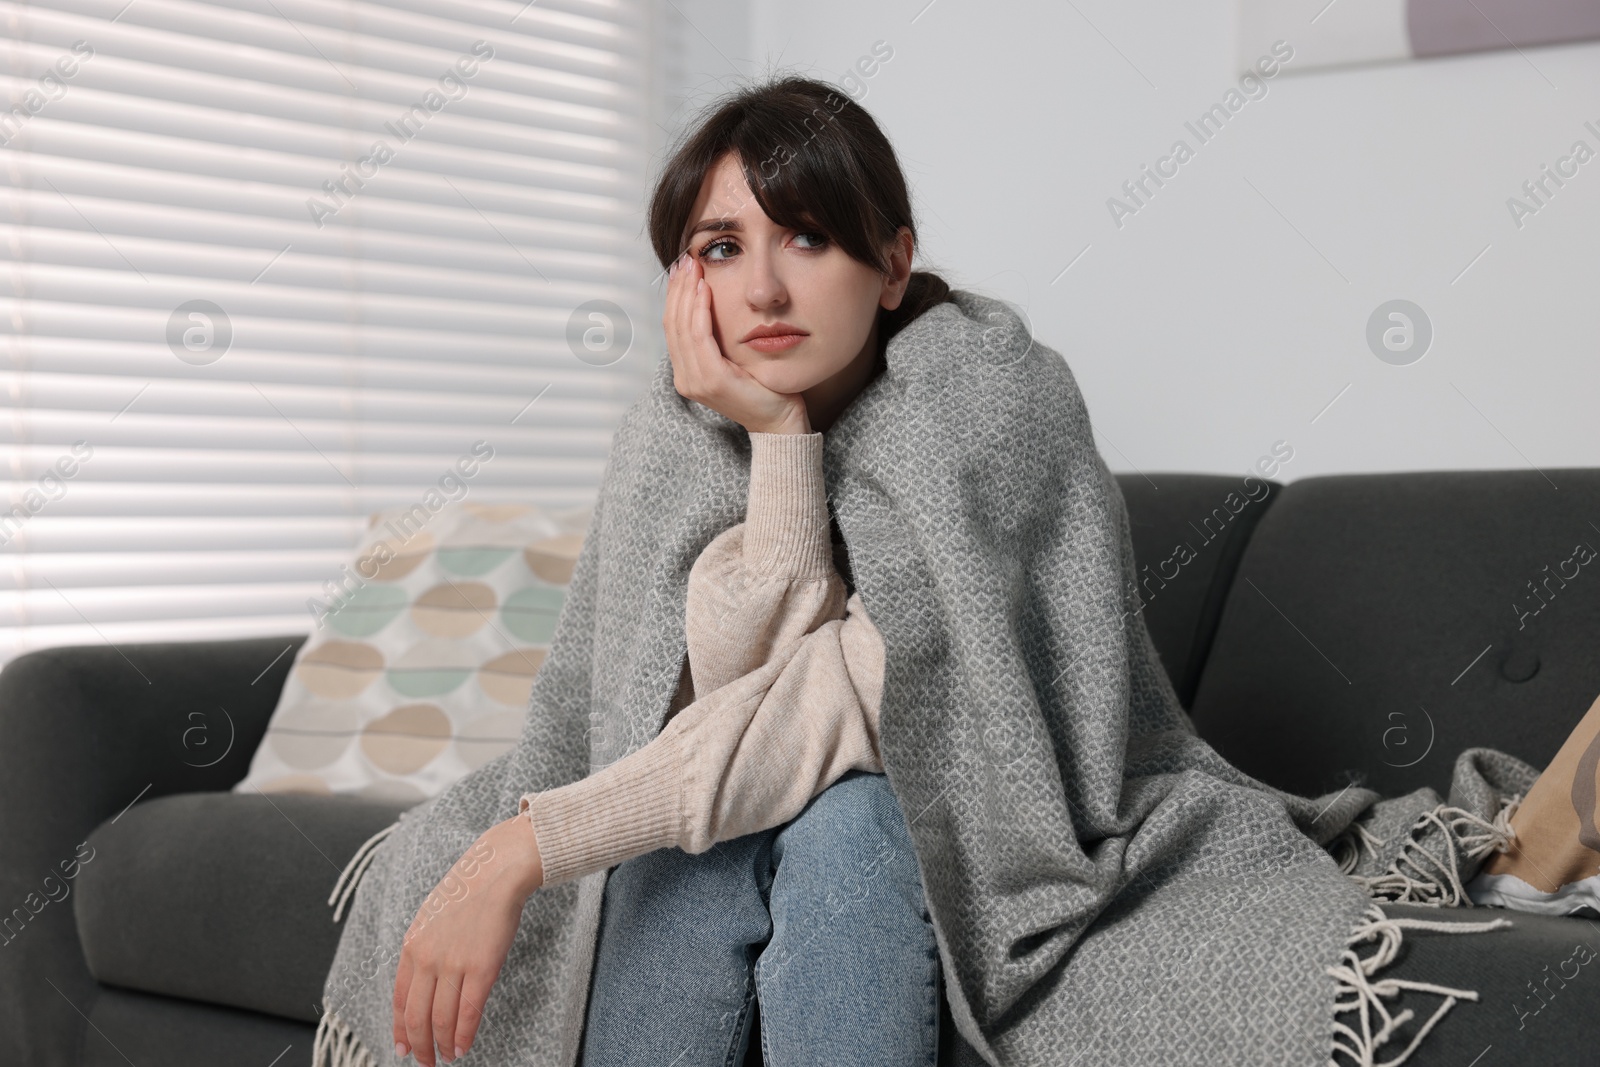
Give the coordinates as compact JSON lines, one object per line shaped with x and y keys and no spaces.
{"x":815,"y":160}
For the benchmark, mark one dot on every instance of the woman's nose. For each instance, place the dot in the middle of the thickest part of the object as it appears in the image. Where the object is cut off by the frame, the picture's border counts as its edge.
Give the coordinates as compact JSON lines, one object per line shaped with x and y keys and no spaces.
{"x":763,"y":287}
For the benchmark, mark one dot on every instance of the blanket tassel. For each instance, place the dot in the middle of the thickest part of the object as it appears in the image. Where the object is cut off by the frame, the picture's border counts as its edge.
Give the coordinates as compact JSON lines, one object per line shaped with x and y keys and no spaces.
{"x":336,"y":1045}
{"x":1349,"y":845}
{"x":1432,"y":879}
{"x":1418,"y":876}
{"x":1356,"y":990}
{"x":342,"y":891}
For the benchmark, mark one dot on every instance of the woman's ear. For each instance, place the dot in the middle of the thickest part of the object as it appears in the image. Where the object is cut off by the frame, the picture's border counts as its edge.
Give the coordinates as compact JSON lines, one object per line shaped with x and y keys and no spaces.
{"x":899,"y":273}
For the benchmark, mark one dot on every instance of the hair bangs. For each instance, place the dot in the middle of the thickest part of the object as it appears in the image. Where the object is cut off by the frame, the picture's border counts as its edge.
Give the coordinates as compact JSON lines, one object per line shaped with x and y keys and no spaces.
{"x":814,"y":160}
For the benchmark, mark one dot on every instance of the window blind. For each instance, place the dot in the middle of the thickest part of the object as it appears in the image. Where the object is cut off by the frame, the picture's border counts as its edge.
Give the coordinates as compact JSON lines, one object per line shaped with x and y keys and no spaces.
{"x":274,"y":265}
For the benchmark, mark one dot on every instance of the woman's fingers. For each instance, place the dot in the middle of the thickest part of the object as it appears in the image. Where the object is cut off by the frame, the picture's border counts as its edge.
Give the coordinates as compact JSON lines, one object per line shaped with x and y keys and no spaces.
{"x":446,"y":1002}
{"x":672,"y":322}
{"x":402,"y":986}
{"x":691,"y":364}
{"x":419,"y":1016}
{"x":474,"y":994}
{"x":702,"y":342}
{"x":707,"y":367}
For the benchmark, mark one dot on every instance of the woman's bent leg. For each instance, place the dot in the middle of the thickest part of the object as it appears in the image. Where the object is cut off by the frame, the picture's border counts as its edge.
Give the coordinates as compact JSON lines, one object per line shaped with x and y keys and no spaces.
{"x":851,"y":975}
{"x":679,"y":934}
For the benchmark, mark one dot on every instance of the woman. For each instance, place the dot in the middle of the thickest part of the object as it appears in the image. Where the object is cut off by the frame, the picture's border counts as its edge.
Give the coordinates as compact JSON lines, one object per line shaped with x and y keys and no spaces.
{"x":770,"y":770}
{"x":778,"y":328}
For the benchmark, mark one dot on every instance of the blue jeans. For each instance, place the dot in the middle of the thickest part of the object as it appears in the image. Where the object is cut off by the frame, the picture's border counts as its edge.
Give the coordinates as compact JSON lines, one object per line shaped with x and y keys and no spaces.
{"x":822,"y":918}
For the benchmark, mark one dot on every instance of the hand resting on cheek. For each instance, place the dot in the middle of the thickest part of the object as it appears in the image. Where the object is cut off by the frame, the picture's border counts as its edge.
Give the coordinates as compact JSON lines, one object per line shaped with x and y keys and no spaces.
{"x":700,"y":370}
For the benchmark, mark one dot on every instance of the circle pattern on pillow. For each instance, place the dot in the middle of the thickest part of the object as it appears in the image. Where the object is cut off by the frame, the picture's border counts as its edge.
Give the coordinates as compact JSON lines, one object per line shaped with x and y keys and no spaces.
{"x":424,"y":652}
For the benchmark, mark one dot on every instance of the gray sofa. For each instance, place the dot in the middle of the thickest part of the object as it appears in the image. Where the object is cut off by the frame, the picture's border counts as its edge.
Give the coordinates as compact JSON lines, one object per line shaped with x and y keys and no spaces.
{"x":1346,"y":628}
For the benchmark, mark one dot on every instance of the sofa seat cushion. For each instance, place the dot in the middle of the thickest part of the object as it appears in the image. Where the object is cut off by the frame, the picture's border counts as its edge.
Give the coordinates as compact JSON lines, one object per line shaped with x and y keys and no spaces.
{"x":125,"y":1027}
{"x":222,"y":897}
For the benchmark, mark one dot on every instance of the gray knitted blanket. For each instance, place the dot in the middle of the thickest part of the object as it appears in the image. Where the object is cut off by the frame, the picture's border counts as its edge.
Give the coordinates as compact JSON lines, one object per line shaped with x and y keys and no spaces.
{"x":1104,"y":887}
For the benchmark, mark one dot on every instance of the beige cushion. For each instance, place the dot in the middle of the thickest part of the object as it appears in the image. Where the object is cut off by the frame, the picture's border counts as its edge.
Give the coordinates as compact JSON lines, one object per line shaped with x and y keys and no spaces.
{"x":425,"y":650}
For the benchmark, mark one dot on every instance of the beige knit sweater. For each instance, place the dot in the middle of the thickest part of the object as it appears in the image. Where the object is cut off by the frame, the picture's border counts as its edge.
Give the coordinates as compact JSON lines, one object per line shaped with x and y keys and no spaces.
{"x":765,"y":606}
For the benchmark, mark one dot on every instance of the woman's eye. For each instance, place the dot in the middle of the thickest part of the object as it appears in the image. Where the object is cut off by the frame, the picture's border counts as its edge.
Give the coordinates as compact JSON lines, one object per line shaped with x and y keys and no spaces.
{"x":811,"y":242}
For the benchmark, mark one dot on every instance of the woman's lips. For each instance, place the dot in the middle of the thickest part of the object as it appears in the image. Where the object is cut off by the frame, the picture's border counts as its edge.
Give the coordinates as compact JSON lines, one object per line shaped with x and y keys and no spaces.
{"x":777,"y":342}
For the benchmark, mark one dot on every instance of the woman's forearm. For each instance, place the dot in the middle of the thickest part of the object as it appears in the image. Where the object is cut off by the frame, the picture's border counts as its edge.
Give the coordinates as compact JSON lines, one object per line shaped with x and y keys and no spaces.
{"x":788,"y":673}
{"x":768,"y":580}
{"x":744,"y":758}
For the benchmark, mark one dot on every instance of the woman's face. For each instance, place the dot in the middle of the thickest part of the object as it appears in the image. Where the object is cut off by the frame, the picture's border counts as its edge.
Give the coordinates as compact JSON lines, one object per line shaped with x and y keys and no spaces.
{"x":762,"y":274}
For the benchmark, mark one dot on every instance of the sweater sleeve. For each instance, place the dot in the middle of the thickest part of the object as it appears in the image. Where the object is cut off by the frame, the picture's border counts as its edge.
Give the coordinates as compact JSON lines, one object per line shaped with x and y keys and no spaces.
{"x":746,"y":757}
{"x":792,"y":677}
{"x":768,"y":580}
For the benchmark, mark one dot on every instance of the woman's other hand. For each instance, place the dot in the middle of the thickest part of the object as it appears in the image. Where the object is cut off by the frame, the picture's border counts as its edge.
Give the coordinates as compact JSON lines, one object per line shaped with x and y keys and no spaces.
{"x":455,"y":947}
{"x":700,"y":370}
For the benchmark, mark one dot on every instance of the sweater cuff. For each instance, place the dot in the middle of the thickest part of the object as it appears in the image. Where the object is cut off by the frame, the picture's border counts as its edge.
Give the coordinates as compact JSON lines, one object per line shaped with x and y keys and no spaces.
{"x":626,"y":809}
{"x":786,"y":520}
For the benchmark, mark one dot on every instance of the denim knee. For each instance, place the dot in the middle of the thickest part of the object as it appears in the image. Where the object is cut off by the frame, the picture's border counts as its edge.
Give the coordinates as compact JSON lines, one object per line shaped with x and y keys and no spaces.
{"x":851,"y":833}
{"x":852,"y":972}
{"x":688,"y":923}
{"x":855,"y":799}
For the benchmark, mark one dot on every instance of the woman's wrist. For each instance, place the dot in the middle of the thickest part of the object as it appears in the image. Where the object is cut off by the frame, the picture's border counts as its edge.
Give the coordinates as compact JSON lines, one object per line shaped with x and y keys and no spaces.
{"x":525,"y":860}
{"x":794,"y":421}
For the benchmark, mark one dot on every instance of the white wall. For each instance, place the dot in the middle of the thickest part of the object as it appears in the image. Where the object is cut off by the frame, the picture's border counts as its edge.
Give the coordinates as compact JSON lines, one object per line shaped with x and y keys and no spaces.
{"x":1209,"y":325}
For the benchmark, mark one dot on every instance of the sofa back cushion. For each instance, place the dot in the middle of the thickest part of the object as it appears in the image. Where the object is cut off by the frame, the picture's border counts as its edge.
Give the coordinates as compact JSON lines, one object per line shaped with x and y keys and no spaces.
{"x":1189,"y":531}
{"x":1380,"y":623}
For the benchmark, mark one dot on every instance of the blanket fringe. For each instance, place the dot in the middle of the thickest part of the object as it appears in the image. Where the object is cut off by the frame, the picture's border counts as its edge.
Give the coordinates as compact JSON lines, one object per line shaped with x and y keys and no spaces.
{"x":342,"y":891}
{"x":1355,"y":990}
{"x":1420,"y":876}
{"x":336,"y":1045}
{"x":1349,"y":844}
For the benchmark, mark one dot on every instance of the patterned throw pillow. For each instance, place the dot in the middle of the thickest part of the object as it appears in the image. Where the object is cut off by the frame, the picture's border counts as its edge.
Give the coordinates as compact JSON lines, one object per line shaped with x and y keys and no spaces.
{"x":424,"y":653}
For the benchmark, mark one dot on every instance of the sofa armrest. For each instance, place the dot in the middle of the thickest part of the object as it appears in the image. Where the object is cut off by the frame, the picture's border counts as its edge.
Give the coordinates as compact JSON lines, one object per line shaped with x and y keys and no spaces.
{"x":85,"y":731}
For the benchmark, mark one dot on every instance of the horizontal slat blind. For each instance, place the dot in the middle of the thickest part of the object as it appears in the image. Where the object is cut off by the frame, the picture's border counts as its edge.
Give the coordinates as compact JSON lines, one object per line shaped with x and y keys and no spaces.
{"x":383,"y":310}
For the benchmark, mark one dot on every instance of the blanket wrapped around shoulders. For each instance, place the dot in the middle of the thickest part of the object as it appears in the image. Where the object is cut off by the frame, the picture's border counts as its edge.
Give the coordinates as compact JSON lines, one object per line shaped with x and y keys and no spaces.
{"x":1105,"y":888}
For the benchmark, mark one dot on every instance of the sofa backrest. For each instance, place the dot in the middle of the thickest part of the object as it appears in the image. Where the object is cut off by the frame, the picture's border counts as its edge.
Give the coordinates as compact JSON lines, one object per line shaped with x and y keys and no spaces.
{"x":1379,"y":624}
{"x":1189,"y":531}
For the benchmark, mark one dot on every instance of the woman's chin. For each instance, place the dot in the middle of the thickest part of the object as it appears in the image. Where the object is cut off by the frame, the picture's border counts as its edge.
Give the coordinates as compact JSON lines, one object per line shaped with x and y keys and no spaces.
{"x":782,"y":379}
